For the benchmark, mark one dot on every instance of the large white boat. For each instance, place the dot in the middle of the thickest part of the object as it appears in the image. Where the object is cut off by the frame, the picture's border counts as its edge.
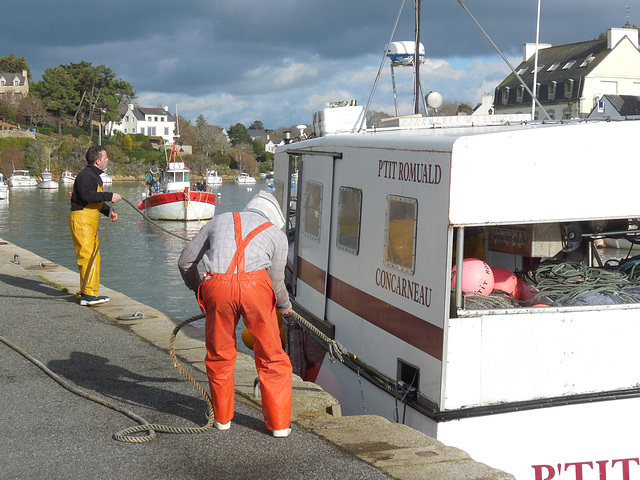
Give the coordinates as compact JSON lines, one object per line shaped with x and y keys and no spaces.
{"x":245,"y":179}
{"x":172,"y":197}
{"x":21,"y":178}
{"x":4,"y":188}
{"x":67,"y":178}
{"x":529,"y":386}
{"x":47,"y":182}
{"x":213,"y":178}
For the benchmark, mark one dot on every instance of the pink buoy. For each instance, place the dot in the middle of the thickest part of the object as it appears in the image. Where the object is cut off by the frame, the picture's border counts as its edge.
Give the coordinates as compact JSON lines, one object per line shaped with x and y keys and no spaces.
{"x":506,"y":281}
{"x":477,"y":276}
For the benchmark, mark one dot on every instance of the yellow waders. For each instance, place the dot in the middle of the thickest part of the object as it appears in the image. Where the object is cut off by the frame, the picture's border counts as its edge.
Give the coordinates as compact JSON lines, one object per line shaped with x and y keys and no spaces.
{"x":84,"y":230}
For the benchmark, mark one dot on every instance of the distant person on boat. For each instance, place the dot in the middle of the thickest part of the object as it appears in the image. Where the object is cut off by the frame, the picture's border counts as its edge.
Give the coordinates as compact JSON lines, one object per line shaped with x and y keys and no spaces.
{"x":244,"y":255}
{"x":87,"y":203}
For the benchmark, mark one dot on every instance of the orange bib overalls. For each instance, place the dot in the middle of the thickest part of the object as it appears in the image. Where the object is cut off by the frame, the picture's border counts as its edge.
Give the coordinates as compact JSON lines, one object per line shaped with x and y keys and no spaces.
{"x":225,"y":297}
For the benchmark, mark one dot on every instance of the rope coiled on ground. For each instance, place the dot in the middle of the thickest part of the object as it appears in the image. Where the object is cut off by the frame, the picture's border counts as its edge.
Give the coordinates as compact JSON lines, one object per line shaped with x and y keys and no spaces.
{"x":129,"y":435}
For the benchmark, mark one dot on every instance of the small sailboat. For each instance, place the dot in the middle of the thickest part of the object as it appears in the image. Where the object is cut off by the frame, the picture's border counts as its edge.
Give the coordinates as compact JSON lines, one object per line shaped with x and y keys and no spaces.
{"x":48,"y":183}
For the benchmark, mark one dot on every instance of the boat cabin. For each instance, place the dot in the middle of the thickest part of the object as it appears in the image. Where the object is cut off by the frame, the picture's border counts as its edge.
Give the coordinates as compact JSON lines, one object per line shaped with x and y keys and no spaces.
{"x":175,"y":178}
{"x":463,"y":270}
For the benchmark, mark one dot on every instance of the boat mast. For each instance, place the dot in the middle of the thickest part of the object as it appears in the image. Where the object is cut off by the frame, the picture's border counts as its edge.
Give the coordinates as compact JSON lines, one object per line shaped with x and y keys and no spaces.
{"x":416,"y":60}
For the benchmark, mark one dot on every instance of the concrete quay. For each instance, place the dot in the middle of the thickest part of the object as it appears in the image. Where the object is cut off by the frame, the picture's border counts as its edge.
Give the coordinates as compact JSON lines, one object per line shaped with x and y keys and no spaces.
{"x":52,"y":433}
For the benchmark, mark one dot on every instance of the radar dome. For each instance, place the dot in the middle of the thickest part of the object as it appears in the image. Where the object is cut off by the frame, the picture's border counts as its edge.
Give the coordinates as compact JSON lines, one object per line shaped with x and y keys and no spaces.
{"x":434,"y":100}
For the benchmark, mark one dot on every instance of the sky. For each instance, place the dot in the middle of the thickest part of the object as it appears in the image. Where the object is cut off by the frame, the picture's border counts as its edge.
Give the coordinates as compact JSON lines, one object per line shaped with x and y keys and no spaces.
{"x":239,"y":61}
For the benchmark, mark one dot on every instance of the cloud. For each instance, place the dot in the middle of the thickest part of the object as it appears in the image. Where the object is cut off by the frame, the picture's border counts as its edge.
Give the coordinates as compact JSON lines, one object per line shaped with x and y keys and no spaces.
{"x":278,"y":61}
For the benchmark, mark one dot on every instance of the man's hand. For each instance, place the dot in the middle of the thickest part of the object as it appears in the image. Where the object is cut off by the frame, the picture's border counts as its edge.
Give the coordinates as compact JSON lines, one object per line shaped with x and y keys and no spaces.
{"x":114,"y":216}
{"x":116,"y":198}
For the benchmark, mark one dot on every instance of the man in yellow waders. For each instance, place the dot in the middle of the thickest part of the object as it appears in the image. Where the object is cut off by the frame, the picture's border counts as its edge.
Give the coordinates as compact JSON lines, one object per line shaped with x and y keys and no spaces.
{"x":87,"y":203}
{"x":244,"y":255}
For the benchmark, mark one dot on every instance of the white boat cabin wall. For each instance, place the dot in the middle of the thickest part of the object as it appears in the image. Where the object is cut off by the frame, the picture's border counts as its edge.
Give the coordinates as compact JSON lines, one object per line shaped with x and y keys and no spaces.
{"x":379,"y":231}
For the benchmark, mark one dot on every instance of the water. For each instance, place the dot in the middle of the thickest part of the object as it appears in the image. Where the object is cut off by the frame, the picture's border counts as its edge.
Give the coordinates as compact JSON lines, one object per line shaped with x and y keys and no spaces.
{"x":138,"y":259}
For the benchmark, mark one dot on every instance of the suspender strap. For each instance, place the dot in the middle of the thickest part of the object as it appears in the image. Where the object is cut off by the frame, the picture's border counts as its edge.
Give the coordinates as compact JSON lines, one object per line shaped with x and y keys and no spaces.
{"x":238,"y":258}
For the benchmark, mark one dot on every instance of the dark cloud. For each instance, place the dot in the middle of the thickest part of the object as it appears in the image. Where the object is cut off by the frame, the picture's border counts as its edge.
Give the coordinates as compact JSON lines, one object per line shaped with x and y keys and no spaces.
{"x":217,"y":55}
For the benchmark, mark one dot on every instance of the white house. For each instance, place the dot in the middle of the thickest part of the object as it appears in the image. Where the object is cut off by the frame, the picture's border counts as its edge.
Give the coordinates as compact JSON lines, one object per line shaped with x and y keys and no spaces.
{"x":153,"y":122}
{"x":572,"y":78}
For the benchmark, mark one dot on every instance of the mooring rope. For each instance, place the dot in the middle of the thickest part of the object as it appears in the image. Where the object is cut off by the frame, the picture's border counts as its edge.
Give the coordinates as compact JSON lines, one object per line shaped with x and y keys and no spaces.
{"x":181,"y":237}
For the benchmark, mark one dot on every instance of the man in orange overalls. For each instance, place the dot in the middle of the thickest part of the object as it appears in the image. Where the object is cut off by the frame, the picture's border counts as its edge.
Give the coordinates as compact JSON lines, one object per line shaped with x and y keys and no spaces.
{"x":87,"y":203}
{"x":244,"y":255}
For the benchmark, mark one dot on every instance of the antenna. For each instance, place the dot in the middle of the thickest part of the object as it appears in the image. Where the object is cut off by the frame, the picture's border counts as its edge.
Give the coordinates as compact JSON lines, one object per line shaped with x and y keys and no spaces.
{"x":177,"y":122}
{"x":627,"y":13}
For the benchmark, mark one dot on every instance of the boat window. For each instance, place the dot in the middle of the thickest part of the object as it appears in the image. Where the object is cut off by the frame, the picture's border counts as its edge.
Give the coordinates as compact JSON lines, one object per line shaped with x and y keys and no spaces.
{"x":349,"y":211}
{"x":312,"y":209}
{"x":400,"y":233}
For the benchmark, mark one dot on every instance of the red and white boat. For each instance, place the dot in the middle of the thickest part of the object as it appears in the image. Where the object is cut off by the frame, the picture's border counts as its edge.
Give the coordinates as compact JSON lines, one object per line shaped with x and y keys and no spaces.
{"x":173,"y":199}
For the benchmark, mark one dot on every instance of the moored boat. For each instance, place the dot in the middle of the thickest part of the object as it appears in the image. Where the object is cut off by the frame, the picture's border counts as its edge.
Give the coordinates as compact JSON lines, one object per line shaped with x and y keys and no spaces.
{"x":106,"y":178}
{"x":47,"y":182}
{"x":245,"y":179}
{"x":21,"y":178}
{"x":67,"y":178}
{"x":4,"y":188}
{"x":213,"y":178}
{"x":491,"y":374}
{"x":172,"y":198}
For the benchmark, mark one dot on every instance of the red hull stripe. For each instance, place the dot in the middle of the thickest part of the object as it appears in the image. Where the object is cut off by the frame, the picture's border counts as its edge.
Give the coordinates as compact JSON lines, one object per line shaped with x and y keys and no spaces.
{"x":413,"y":330}
{"x":311,"y":275}
{"x":164,"y":198}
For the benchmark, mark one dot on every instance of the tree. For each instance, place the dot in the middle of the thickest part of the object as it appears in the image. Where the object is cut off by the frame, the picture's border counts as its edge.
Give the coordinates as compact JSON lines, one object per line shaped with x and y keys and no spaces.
{"x":201,"y":121}
{"x":13,"y":64}
{"x":33,"y":110}
{"x":257,"y":125}
{"x":239,"y":135}
{"x":79,"y":90}
{"x":115,"y":154}
{"x":465,"y":109}
{"x":258,"y":147}
{"x":37,"y":155}
{"x":11,"y":159}
{"x":188,"y":134}
{"x":373,"y":117}
{"x":58,"y":94}
{"x":127,"y":142}
{"x":7,"y":114}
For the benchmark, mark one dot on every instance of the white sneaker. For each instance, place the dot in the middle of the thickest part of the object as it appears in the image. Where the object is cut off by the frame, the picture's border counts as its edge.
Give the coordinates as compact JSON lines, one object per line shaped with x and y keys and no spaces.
{"x":281,"y":433}
{"x":221,"y":426}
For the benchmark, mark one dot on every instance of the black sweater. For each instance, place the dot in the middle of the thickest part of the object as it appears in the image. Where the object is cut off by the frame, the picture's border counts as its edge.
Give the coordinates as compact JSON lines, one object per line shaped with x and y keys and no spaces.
{"x":85,"y":190}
